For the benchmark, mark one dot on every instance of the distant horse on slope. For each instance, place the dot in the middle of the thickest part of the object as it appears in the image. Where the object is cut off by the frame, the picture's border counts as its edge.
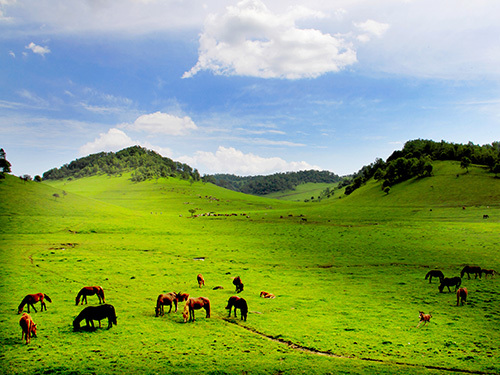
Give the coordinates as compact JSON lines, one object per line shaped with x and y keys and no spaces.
{"x":90,"y":291}
{"x":238,"y":303}
{"x":195,"y":304}
{"x":462,"y":296}
{"x":434,"y":273}
{"x":166,"y":300}
{"x":201,"y":280}
{"x":28,"y":327}
{"x":30,"y":299}
{"x":239,"y":285}
{"x":447,"y":281}
{"x":471,"y":269}
{"x":91,"y":313}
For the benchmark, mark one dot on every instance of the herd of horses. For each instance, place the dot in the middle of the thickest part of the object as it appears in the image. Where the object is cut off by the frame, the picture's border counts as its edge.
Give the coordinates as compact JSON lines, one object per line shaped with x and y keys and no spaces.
{"x":107,"y":311}
{"x":456,"y":282}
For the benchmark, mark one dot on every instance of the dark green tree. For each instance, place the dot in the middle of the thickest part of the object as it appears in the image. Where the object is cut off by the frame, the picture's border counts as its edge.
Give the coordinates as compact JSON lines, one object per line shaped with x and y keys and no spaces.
{"x":465,"y":163}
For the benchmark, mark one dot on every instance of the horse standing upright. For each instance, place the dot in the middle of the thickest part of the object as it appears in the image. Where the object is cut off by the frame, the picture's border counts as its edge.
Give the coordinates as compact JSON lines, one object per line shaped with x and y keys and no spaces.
{"x":424,"y":318}
{"x":488,"y":272}
{"x":471,"y":269}
{"x":195,"y":304}
{"x":28,"y":327}
{"x":30,"y":299}
{"x":238,"y":303}
{"x":238,"y":284}
{"x":91,"y":313}
{"x":201,"y":280}
{"x":90,"y":291}
{"x":447,"y":281}
{"x":434,"y":273}
{"x":166,"y":299}
{"x":462,"y":296}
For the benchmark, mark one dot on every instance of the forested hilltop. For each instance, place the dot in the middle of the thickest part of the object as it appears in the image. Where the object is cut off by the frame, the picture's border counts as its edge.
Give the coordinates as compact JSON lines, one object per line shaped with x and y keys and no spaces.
{"x":261,"y":185}
{"x":144,"y":165}
{"x":415,"y":160}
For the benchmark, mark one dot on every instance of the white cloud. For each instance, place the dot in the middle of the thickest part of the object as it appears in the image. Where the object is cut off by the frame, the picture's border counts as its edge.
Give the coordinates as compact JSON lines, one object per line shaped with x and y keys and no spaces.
{"x":113,"y":140}
{"x":163,"y":123}
{"x":39,"y":50}
{"x":250,"y":40}
{"x":371,"y":27}
{"x":231,"y":160}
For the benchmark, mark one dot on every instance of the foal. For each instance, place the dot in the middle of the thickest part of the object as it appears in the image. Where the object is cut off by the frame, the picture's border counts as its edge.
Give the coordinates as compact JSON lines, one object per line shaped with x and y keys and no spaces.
{"x":201,"y":280}
{"x":424,"y":318}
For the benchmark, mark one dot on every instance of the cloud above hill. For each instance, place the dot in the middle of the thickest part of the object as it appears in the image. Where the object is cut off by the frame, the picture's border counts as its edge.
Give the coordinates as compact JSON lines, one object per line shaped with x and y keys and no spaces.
{"x":162,"y":123}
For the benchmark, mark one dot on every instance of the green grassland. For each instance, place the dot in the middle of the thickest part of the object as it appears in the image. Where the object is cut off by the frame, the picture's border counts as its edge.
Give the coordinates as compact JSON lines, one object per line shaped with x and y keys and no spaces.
{"x":348,"y":275}
{"x":302,"y":192}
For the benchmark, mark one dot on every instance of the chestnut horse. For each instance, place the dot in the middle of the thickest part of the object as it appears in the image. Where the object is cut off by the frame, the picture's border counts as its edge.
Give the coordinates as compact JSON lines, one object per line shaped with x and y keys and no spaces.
{"x":195,"y":304}
{"x":30,"y":299}
{"x":267,"y":295}
{"x":28,"y":327}
{"x":434,"y":273}
{"x":167,"y":299}
{"x":90,"y":291}
{"x":201,"y":280}
{"x":238,"y":284}
{"x":488,"y":272}
{"x":238,"y":303}
{"x":91,"y":313}
{"x":424,"y":318}
{"x":462,"y":296}
{"x":471,"y":269}
{"x":447,"y":281}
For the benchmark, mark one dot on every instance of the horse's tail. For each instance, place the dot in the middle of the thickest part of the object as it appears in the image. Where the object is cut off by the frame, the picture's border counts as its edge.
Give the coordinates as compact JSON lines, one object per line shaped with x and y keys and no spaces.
{"x":208,"y":308}
{"x":101,"y":292}
{"x":47,"y":298}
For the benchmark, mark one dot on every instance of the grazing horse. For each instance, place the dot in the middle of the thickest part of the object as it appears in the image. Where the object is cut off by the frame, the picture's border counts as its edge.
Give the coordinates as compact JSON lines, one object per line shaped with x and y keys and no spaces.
{"x":30,"y":299}
{"x":450,"y":281}
{"x":462,"y":295}
{"x":201,"y":280}
{"x":238,"y":284}
{"x":488,"y":272}
{"x":471,"y":269}
{"x":434,"y":273}
{"x":195,"y":304}
{"x":238,"y":303}
{"x":28,"y":327}
{"x":267,"y":295}
{"x":90,"y":291}
{"x":166,"y":299}
{"x":424,"y":318}
{"x":91,"y":313}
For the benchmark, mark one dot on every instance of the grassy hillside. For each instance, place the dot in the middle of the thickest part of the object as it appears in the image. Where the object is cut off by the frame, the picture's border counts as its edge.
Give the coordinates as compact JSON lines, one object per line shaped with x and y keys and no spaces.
{"x":348,"y":275}
{"x":302,"y":192}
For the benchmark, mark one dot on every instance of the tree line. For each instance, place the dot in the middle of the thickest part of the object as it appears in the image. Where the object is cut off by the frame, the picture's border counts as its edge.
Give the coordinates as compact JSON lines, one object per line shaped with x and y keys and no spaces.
{"x":415,"y":160}
{"x":144,"y":164}
{"x":262,"y":185}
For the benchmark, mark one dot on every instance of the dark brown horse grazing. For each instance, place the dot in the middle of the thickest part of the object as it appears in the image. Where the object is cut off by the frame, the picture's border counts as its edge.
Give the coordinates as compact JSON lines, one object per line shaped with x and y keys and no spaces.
{"x":195,"y":304}
{"x":28,"y":327}
{"x":434,"y":273}
{"x":450,"y":281}
{"x":471,"y":269}
{"x":238,"y":303}
{"x":201,"y":280}
{"x":488,"y":272}
{"x":462,"y":296}
{"x":238,"y":284}
{"x":30,"y":299}
{"x":166,"y":299}
{"x":90,"y":291}
{"x":92,"y":313}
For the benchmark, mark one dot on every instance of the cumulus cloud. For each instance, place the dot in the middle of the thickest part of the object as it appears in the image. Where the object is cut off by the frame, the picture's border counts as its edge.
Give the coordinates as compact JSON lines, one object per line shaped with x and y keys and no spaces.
{"x":39,"y":50}
{"x":250,"y":40}
{"x":231,"y":160}
{"x":163,"y":123}
{"x":371,"y":28}
{"x":113,"y":140}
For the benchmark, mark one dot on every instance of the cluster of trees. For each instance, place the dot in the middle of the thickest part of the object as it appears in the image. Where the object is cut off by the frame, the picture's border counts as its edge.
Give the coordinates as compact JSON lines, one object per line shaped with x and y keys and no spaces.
{"x":4,"y":164}
{"x":145,"y":164}
{"x":415,"y":160}
{"x":261,"y":185}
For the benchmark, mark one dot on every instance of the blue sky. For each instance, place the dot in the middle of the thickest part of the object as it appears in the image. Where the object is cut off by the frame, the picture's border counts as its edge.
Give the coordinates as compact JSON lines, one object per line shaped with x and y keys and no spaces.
{"x":249,"y":87}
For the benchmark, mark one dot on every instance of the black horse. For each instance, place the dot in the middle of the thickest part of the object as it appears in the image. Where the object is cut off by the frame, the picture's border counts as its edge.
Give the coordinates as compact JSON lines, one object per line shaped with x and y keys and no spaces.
{"x":471,"y":269}
{"x":92,"y":313}
{"x":434,"y":273}
{"x":450,"y":281}
{"x":238,"y":303}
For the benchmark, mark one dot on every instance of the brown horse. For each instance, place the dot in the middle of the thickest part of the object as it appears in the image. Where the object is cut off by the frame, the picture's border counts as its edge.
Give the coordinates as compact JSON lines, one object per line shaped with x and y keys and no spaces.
{"x":424,"y":318}
{"x":462,"y":296}
{"x":91,"y":313}
{"x":471,"y":269}
{"x":30,"y":299}
{"x":488,"y":272}
{"x":195,"y":304}
{"x":201,"y":280}
{"x":166,"y":299}
{"x":238,"y":284}
{"x":434,"y":273}
{"x":90,"y":291}
{"x":238,"y":303}
{"x":267,"y":295}
{"x":450,"y":281}
{"x":28,"y":327}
